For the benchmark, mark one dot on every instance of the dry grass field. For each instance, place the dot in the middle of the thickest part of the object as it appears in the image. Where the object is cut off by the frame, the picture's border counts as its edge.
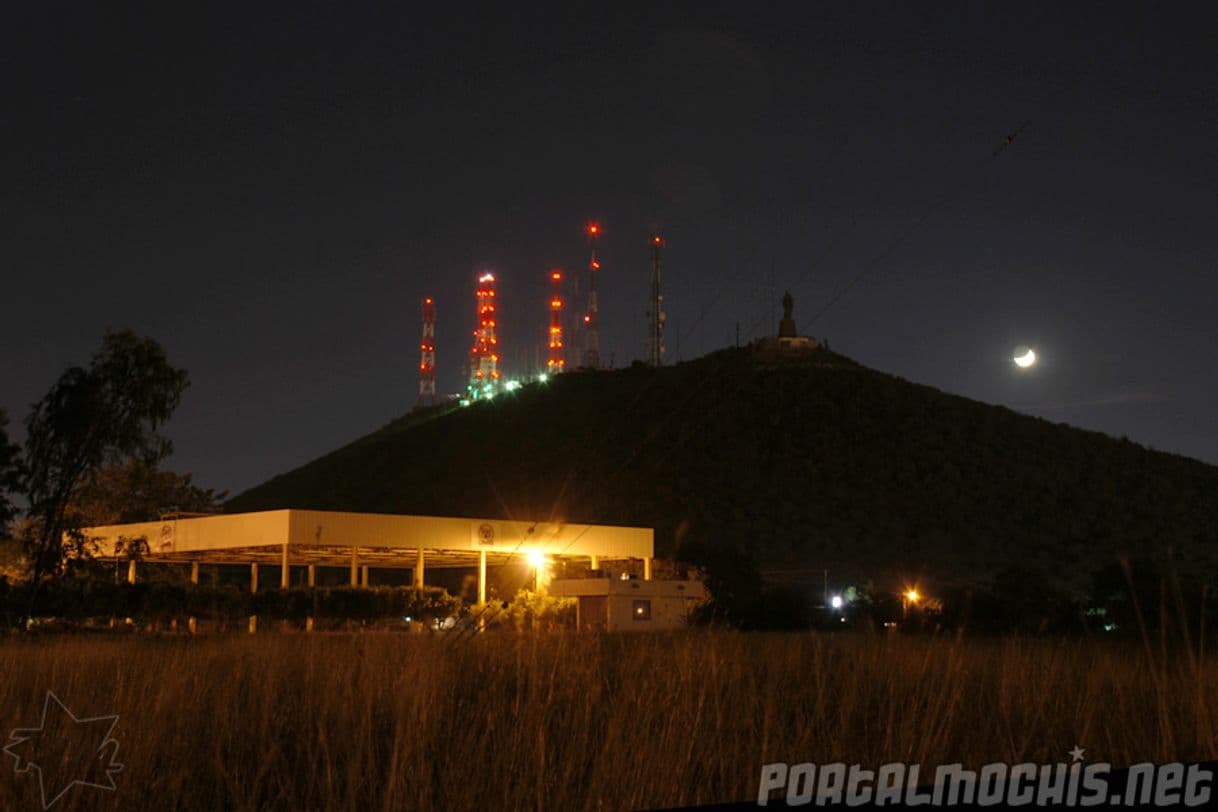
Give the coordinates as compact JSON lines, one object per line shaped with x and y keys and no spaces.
{"x":393,"y":721}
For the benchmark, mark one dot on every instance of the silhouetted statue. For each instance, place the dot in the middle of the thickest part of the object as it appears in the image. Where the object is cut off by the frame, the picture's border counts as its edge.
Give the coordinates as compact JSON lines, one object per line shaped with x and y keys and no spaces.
{"x":786,"y":329}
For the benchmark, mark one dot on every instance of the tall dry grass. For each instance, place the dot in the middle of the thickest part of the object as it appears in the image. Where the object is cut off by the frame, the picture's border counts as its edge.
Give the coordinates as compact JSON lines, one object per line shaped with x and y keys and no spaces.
{"x":390,"y":721}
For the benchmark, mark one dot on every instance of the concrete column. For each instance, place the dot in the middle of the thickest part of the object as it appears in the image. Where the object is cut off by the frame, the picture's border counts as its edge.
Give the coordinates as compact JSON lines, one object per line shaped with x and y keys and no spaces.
{"x":253,"y":624}
{"x":363,"y":576}
{"x":131,"y":571}
{"x":596,"y":563}
{"x":419,"y":571}
{"x":312,"y":575}
{"x":646,"y":569}
{"x":354,"y":568}
{"x":254,"y":577}
{"x":285,"y":571}
{"x":481,"y":577}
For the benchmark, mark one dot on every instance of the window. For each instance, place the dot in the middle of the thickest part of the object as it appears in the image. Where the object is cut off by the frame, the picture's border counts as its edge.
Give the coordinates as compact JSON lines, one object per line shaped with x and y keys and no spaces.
{"x":640,"y":610}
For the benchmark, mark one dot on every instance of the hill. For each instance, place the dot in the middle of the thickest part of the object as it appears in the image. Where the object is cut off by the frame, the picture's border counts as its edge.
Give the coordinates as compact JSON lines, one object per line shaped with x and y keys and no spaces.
{"x":793,"y":466}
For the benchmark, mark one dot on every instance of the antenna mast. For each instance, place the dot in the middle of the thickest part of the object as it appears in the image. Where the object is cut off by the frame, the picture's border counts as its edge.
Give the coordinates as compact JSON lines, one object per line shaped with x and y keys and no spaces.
{"x":427,"y":359}
{"x":556,"y":360}
{"x":655,"y":314}
{"x":592,"y":337}
{"x":484,"y":356}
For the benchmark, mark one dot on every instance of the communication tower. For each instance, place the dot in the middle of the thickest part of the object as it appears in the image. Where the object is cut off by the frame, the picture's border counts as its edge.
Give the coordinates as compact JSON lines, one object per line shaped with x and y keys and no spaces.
{"x":655,"y":313}
{"x":592,"y":337}
{"x":427,"y":360}
{"x":484,"y":356}
{"x":556,"y":360}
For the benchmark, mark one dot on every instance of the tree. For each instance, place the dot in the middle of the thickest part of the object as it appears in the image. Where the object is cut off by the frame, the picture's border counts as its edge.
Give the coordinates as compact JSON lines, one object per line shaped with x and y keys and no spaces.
{"x":138,"y":492}
{"x":106,"y":414}
{"x":10,"y":475}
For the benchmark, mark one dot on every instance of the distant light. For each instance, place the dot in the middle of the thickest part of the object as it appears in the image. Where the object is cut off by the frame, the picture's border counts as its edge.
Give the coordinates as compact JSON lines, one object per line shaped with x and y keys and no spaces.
{"x":836,"y":602}
{"x":912,"y":596}
{"x":594,"y":229}
{"x":487,"y":277}
{"x":656,"y":239}
{"x":537,"y":559}
{"x":556,"y":276}
{"x":543,"y":377}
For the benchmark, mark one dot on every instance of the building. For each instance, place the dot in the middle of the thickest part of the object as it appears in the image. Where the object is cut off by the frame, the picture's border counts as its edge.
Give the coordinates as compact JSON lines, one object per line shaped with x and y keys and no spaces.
{"x":617,"y":604}
{"x":295,"y":543}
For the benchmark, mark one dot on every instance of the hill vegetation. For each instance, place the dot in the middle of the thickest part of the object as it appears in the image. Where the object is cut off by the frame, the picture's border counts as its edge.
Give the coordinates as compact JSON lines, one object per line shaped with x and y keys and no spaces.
{"x":788,"y":466}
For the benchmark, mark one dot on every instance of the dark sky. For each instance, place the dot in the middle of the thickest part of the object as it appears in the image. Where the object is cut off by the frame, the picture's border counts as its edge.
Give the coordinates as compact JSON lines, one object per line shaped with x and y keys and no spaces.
{"x":269,"y":192}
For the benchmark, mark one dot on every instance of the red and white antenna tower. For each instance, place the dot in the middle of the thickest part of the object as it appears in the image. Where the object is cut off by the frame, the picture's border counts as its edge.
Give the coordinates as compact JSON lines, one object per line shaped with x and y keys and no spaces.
{"x":556,"y":360}
{"x":427,"y":361}
{"x":592,"y":336}
{"x":484,"y":357}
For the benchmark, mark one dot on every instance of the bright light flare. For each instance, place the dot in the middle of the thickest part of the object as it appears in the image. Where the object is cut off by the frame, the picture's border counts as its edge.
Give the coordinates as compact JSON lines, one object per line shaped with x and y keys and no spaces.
{"x":537,"y":559}
{"x":912,"y":595}
{"x":836,"y":602}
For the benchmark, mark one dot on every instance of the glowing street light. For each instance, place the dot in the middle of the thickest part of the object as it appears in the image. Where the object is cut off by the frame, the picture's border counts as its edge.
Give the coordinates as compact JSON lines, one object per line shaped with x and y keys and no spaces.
{"x":537,"y":560}
{"x":836,"y":602}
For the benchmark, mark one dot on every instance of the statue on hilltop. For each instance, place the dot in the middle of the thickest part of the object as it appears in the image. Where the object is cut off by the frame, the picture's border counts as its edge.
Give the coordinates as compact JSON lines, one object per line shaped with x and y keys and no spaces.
{"x":786,"y":328}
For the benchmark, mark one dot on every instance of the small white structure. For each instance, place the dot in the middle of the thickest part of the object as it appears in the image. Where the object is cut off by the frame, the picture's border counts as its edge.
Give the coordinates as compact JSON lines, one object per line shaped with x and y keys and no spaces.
{"x":615,"y":605}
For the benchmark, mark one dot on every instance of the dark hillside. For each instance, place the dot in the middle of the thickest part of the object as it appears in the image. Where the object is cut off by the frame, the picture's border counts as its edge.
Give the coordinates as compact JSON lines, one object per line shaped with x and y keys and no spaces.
{"x":803,"y":464}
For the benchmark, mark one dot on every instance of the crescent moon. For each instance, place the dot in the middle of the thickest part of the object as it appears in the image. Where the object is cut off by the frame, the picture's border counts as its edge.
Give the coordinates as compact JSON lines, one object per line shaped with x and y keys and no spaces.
{"x":1026,"y":360}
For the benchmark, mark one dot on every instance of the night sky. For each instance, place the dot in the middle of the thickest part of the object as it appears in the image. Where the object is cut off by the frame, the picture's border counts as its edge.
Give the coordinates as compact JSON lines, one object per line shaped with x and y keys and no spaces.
{"x":269,"y":193}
